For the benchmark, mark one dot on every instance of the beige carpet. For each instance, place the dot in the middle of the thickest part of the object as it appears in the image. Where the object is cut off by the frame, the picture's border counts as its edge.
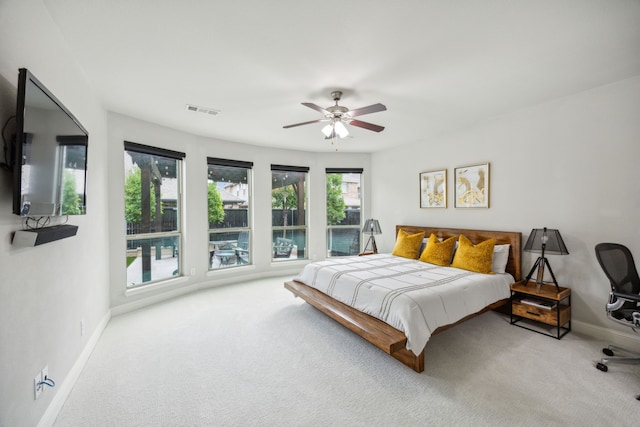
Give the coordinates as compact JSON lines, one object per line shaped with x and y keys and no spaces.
{"x":250,"y":354}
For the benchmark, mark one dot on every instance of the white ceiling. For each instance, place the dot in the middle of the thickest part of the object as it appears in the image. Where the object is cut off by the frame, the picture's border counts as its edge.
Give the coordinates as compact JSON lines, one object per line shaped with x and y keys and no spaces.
{"x":438,"y":66}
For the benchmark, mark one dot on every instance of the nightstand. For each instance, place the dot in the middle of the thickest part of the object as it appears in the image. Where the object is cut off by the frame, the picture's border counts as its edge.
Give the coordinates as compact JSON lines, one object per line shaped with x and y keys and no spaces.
{"x":532,"y":308}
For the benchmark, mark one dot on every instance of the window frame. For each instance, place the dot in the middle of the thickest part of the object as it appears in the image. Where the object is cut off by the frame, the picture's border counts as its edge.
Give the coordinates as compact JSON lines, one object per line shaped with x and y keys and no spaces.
{"x":292,"y":228}
{"x":160,"y":235}
{"x":248,"y":228}
{"x":357,"y":227}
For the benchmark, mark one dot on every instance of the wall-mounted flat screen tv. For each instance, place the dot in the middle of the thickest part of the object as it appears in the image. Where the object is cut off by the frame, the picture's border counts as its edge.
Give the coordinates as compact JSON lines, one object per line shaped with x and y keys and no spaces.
{"x":50,"y":163}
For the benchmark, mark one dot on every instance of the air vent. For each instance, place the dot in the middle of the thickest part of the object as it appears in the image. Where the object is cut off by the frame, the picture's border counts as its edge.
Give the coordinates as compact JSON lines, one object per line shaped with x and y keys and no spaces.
{"x":203,"y":110}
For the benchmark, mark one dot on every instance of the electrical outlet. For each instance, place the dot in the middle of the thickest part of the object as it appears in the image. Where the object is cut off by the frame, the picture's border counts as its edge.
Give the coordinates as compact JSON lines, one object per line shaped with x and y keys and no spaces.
{"x":37,"y":385}
{"x":193,"y":271}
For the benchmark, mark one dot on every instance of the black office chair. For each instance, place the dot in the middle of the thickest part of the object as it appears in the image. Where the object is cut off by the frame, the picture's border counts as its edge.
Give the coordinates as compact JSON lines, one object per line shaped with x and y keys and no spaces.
{"x":624,"y":299}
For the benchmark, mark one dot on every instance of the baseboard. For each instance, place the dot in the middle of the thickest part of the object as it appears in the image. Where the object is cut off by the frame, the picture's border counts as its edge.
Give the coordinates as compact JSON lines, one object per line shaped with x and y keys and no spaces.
{"x":66,"y":386}
{"x":626,"y":340}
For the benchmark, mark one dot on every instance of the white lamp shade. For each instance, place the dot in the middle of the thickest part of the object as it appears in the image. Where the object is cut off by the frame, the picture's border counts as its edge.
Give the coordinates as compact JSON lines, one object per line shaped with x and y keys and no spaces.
{"x":340,"y":129}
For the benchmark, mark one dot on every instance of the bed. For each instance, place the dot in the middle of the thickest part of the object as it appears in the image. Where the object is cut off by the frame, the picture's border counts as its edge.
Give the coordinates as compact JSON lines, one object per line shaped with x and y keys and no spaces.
{"x":389,"y":334}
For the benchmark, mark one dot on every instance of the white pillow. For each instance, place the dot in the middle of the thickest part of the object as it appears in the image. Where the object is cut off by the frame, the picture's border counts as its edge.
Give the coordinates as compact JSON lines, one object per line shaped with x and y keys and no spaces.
{"x":455,"y":248}
{"x":500,"y":258}
{"x":423,"y":245}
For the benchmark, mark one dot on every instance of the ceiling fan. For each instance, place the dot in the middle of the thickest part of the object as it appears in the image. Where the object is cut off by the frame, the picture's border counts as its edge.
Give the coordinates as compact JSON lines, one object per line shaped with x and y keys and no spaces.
{"x":338,"y":115}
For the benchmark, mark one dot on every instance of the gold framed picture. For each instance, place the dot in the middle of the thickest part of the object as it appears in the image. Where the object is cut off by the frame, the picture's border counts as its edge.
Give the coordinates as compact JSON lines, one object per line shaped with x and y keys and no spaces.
{"x":472,"y":186}
{"x":433,"y":189}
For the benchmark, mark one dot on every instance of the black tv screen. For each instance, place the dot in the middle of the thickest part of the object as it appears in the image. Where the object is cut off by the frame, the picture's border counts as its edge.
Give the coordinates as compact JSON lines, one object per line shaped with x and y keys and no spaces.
{"x":50,"y":164}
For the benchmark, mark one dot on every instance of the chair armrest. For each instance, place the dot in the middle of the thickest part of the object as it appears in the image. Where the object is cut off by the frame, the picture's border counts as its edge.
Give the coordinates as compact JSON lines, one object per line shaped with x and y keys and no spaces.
{"x":618,"y":299}
{"x":628,"y":297}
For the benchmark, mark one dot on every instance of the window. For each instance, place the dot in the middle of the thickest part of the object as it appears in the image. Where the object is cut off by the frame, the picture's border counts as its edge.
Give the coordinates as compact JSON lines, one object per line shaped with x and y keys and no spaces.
{"x":288,"y":212}
{"x":343,"y":211}
{"x":152,"y":213}
{"x":229,"y":203}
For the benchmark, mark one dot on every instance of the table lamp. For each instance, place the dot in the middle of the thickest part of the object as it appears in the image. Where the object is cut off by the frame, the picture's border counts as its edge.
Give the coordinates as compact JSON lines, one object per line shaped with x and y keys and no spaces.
{"x":544,"y":240}
{"x":372,"y":227}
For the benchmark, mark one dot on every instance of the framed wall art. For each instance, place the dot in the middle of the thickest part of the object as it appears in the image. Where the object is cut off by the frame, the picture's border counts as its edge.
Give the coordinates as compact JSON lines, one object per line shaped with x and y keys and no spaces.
{"x":472,"y":186}
{"x":433,"y":189}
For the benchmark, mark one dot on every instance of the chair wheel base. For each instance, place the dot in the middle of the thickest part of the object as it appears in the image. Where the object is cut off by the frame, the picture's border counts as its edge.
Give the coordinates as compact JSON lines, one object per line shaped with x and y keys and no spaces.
{"x":602,"y":367}
{"x":607,"y":351}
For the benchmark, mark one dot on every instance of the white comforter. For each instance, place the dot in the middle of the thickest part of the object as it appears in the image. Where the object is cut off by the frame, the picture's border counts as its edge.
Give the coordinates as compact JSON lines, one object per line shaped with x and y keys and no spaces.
{"x":412,"y":296}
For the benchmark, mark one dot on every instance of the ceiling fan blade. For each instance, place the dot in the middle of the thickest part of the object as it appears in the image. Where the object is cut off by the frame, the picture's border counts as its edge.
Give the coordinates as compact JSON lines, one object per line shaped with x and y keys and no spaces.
{"x":315,"y":107}
{"x":366,"y":110}
{"x":365,"y":125}
{"x":303,"y":123}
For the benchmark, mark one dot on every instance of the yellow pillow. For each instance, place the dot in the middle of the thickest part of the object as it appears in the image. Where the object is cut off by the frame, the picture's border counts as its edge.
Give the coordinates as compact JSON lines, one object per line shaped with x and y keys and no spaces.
{"x":474,"y":257}
{"x":407,"y":245}
{"x":436,"y":252}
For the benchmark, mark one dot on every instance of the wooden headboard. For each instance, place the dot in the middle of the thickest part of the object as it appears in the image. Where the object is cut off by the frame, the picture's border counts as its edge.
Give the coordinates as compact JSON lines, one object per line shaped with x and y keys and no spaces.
{"x":513,"y":238}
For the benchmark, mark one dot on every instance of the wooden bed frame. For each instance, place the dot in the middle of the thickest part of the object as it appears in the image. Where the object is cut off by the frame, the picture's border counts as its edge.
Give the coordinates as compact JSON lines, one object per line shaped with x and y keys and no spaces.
{"x":384,"y":336}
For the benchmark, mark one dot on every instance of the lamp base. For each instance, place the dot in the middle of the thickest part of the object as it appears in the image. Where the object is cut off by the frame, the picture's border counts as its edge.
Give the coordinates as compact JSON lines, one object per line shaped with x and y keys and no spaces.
{"x":374,"y":247}
{"x":539,"y":264}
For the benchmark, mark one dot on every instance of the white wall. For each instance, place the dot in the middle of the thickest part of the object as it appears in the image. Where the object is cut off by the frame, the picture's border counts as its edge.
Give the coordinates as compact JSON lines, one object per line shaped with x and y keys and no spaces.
{"x":195,"y":252}
{"x":46,"y":291}
{"x":570,"y":164}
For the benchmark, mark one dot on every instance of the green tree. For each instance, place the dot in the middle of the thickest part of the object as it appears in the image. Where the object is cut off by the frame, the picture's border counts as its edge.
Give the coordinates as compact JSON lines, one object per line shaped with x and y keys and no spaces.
{"x":335,"y":201}
{"x":70,"y":198}
{"x":133,"y":197}
{"x":284,"y":196}
{"x":214,"y":200}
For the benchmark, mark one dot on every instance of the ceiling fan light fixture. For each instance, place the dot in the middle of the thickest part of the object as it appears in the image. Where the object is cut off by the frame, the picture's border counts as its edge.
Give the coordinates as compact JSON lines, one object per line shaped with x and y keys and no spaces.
{"x":328,"y":130}
{"x":340,"y":129}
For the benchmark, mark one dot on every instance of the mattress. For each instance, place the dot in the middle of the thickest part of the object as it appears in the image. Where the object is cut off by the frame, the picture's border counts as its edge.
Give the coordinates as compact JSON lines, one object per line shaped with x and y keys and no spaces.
{"x":412,"y":296}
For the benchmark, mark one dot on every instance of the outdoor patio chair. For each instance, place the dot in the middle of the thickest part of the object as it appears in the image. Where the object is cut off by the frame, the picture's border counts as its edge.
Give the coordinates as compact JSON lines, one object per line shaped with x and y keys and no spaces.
{"x":225,"y":254}
{"x":282,"y":248}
